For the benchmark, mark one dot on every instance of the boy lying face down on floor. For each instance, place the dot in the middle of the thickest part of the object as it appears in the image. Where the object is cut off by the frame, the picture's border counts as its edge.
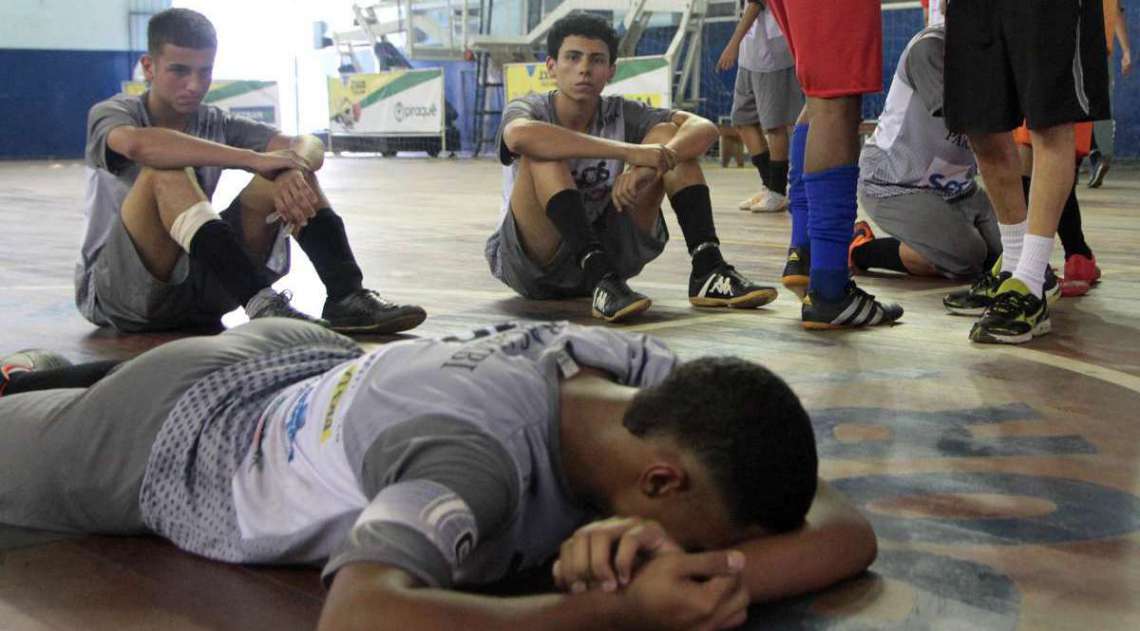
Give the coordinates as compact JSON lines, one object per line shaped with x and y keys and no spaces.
{"x":428,"y":466}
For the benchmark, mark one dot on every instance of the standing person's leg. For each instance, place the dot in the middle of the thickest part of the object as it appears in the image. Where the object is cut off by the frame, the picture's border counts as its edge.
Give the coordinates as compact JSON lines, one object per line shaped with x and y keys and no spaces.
{"x":349,"y":307}
{"x":798,"y":263}
{"x":1104,"y":135}
{"x":838,"y":57}
{"x":779,"y":102}
{"x":747,"y":123}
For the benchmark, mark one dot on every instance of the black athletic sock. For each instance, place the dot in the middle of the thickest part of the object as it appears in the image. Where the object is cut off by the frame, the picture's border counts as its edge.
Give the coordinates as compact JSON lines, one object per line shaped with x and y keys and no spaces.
{"x":882,"y":253}
{"x":762,"y":162}
{"x":1069,"y":227}
{"x":568,"y":213}
{"x":693,"y":207}
{"x":1026,"y":182}
{"x":218,"y":247}
{"x":78,"y":376}
{"x":778,"y":176}
{"x":325,"y":242}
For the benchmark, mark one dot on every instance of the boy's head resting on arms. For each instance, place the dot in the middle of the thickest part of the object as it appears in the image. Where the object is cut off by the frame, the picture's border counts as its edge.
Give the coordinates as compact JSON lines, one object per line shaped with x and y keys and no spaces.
{"x":179,"y":63}
{"x":581,"y":53}
{"x":748,"y":463}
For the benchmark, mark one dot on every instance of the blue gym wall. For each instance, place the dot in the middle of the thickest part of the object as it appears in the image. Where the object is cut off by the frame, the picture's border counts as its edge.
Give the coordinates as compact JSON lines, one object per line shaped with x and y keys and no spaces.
{"x":57,"y":58}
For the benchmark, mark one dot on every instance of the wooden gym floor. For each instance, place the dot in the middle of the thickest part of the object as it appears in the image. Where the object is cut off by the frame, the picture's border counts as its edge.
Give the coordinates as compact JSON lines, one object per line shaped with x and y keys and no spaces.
{"x":1002,"y":482}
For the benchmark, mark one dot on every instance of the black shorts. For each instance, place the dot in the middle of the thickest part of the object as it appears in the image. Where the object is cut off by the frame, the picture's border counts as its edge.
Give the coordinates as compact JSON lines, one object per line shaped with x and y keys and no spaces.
{"x":1044,"y":61}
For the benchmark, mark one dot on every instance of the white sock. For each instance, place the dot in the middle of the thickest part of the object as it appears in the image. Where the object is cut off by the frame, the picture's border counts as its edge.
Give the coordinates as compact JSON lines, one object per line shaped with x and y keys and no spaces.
{"x":1012,"y":236}
{"x":1035,"y":255}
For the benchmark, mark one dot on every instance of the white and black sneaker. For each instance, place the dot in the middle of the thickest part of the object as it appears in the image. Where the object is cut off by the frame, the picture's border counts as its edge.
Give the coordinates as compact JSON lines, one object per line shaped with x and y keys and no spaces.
{"x":857,"y":309}
{"x":615,"y":301}
{"x":726,"y":287}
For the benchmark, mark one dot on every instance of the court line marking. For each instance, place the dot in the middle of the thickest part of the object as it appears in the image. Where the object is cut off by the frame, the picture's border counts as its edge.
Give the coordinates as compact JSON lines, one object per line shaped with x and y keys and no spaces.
{"x":1111,"y":375}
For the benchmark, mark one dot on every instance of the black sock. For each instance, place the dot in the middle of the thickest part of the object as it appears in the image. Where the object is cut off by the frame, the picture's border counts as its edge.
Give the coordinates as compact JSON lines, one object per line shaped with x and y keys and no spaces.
{"x":881,"y":253}
{"x":325,"y":242}
{"x":1069,"y":228}
{"x":218,"y":247}
{"x":694,"y":212}
{"x":707,"y":259}
{"x":762,"y":163}
{"x":1026,"y":182}
{"x":778,"y":176}
{"x":568,"y":213}
{"x":78,"y":376}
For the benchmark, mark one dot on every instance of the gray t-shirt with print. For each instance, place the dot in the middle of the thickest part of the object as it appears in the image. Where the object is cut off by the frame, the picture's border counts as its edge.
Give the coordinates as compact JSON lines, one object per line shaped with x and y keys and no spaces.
{"x":110,"y":176}
{"x":911,"y":150}
{"x":617,"y":118}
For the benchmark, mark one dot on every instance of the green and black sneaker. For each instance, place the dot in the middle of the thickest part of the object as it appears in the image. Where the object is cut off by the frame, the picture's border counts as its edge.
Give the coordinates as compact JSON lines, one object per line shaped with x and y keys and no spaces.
{"x":978,"y":297}
{"x":1015,"y":317}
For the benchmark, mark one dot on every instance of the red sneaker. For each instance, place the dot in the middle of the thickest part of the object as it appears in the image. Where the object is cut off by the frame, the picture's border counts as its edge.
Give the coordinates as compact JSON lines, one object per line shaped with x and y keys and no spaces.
{"x":862,"y":234}
{"x":1081,"y":272}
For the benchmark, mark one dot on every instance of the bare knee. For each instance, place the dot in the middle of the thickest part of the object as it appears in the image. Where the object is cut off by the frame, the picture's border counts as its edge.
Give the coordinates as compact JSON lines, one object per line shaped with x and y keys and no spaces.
{"x":660,"y":133}
{"x":167,"y":182}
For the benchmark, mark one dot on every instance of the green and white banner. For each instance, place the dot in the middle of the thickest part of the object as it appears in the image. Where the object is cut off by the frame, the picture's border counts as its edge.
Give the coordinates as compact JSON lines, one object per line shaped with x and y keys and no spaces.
{"x":258,"y":100}
{"x":646,"y":79}
{"x":396,"y":102}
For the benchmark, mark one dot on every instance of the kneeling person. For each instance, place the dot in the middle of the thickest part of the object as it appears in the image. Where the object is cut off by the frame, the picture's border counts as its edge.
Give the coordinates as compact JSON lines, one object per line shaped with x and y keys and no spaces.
{"x":917,"y":180}
{"x":156,"y":254}
{"x":586,"y":178}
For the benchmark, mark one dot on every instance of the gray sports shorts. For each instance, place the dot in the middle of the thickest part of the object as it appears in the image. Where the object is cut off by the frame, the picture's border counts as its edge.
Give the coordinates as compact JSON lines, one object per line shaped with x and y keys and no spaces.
{"x":956,"y":237}
{"x":120,"y":291}
{"x":72,"y":460}
{"x":628,"y":247}
{"x":769,"y":99}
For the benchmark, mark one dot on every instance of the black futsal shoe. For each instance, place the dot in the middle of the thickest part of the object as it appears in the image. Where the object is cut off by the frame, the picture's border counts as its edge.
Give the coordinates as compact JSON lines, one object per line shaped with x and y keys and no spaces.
{"x":857,"y":309}
{"x":615,"y":301}
{"x":726,"y":287}
{"x":797,"y":271}
{"x":365,"y":311}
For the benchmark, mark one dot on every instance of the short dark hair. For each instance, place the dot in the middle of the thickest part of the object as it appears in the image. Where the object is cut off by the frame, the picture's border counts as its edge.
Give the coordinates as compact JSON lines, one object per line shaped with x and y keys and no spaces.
{"x":180,"y":27}
{"x":584,"y":25}
{"x":747,"y":427}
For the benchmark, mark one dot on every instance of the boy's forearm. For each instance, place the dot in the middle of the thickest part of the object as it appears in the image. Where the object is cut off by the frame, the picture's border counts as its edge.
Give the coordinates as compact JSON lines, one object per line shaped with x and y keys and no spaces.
{"x":835,"y":543}
{"x":160,"y":148}
{"x":308,"y":147}
{"x":374,"y":597}
{"x":751,"y":12}
{"x":544,"y":141}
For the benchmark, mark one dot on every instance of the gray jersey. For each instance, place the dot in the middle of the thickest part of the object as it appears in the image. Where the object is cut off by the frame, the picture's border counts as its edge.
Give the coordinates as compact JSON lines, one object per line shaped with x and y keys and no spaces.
{"x":440,"y":457}
{"x":764,"y":48}
{"x":911,"y":148}
{"x":110,"y":175}
{"x":617,"y":118}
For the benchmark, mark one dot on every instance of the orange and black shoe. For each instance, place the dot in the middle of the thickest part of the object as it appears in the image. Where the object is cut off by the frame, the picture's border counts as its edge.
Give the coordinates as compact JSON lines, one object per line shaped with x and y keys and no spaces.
{"x":862,"y":234}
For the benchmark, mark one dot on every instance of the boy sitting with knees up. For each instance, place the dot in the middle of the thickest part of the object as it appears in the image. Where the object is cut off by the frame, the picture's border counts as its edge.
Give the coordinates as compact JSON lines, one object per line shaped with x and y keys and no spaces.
{"x":586,"y":178}
{"x":157,"y":255}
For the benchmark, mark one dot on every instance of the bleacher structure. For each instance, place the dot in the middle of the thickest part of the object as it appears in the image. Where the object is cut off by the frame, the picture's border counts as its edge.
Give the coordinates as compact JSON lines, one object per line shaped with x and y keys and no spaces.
{"x":451,"y":30}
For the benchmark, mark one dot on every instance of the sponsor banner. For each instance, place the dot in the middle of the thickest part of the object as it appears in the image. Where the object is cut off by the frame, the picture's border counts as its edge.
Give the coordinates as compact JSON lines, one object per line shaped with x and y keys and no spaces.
{"x":396,"y":102}
{"x":646,"y":79}
{"x":258,"y":100}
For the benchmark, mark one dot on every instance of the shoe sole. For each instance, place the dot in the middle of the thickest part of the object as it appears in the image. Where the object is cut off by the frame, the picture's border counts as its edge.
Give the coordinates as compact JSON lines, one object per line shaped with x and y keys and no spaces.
{"x":762,"y":210}
{"x":828,"y":326}
{"x":394,"y":325}
{"x":796,"y":284}
{"x":631,"y":310}
{"x":964,"y":311}
{"x":988,"y":338}
{"x":751,"y":300}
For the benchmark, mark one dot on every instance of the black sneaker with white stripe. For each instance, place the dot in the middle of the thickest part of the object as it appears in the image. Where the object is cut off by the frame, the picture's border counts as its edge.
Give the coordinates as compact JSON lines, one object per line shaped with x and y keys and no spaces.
{"x":615,"y":301}
{"x":726,"y":287}
{"x":857,"y":309}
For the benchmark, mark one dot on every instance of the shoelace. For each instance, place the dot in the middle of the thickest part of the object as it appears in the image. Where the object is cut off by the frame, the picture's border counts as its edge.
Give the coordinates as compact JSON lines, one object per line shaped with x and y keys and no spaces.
{"x":1008,"y":304}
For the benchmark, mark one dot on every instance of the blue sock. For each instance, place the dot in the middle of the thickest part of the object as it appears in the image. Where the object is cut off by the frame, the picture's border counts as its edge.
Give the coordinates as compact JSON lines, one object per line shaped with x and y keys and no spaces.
{"x":797,"y":196}
{"x":832,"y":218}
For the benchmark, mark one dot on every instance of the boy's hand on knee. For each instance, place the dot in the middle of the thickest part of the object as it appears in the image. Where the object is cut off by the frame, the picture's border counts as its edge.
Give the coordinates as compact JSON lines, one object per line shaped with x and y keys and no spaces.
{"x":657,"y":157}
{"x":294,"y":199}
{"x":606,"y":554}
{"x":629,"y":185}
